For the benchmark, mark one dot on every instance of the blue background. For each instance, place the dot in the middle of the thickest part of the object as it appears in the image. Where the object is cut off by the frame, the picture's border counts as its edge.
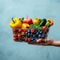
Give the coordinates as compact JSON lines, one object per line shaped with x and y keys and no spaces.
{"x":10,"y":50}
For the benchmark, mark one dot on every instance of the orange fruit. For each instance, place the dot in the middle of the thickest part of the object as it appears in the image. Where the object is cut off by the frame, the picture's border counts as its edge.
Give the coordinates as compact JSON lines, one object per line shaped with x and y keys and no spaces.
{"x":36,"y":21}
{"x":25,"y":25}
{"x":50,"y":21}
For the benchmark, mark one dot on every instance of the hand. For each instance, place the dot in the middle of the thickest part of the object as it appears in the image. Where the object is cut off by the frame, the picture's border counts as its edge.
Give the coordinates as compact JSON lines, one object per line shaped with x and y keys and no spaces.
{"x":46,"y":42}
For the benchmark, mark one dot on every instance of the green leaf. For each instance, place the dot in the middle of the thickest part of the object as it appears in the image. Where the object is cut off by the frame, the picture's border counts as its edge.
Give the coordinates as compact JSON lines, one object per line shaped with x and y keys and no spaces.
{"x":35,"y":26}
{"x":40,"y":20}
{"x":22,"y":18}
{"x":32,"y":26}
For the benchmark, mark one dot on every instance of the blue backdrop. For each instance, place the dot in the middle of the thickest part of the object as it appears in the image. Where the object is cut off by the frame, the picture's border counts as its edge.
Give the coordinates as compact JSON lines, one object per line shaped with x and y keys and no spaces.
{"x":10,"y":50}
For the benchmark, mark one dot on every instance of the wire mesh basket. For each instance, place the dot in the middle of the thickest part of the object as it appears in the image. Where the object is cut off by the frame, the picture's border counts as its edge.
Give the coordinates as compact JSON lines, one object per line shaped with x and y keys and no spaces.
{"x":29,"y":30}
{"x":28,"y":35}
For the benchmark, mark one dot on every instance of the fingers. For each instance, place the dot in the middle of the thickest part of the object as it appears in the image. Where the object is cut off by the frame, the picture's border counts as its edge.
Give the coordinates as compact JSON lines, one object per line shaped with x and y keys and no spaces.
{"x":35,"y":43}
{"x":46,"y":42}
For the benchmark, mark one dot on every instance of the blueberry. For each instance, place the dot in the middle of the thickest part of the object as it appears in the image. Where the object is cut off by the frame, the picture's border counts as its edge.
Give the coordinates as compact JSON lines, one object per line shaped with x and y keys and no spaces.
{"x":31,"y":38}
{"x":40,"y":32}
{"x":28,"y":30}
{"x":34,"y":35}
{"x":43,"y":35}
{"x":31,"y":35}
{"x":36,"y":38}
{"x":39,"y":35}
{"x":26,"y":33}
{"x":34,"y":41}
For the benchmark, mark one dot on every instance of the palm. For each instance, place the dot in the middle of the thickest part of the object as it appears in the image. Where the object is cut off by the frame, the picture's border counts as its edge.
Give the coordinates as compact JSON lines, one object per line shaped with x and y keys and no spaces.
{"x":44,"y":43}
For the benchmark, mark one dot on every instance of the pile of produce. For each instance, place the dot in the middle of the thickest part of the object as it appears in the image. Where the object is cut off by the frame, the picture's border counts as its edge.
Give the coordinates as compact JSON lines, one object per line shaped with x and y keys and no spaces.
{"x":30,"y":30}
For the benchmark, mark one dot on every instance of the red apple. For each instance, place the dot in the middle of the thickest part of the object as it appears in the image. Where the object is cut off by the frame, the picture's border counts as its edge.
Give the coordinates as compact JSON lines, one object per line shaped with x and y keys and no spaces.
{"x":27,"y":20}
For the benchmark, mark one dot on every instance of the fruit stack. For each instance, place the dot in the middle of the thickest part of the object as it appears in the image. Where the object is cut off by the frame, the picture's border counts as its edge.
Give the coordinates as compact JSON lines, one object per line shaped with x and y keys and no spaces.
{"x":30,"y":30}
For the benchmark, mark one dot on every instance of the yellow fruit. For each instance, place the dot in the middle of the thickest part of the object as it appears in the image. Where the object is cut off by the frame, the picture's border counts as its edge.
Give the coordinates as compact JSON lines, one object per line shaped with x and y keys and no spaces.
{"x":15,"y":23}
{"x":36,"y":21}
{"x":25,"y":25}
{"x":50,"y":21}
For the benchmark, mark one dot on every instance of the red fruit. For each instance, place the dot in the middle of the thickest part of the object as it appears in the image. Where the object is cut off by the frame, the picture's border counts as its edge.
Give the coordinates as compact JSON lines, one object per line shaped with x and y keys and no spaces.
{"x":19,"y":36}
{"x":15,"y":39}
{"x":15,"y":35}
{"x":14,"y":30}
{"x":40,"y":40}
{"x":30,"y":21}
{"x":45,"y":29}
{"x":27,"y":20}
{"x":24,"y":30}
{"x":26,"y":39}
{"x":29,"y":39}
{"x":32,"y":30}
{"x":23,"y":33}
{"x":20,"y":30}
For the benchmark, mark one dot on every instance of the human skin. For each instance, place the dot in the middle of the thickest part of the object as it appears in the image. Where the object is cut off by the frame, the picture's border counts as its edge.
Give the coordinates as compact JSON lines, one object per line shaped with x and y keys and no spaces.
{"x":47,"y":42}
